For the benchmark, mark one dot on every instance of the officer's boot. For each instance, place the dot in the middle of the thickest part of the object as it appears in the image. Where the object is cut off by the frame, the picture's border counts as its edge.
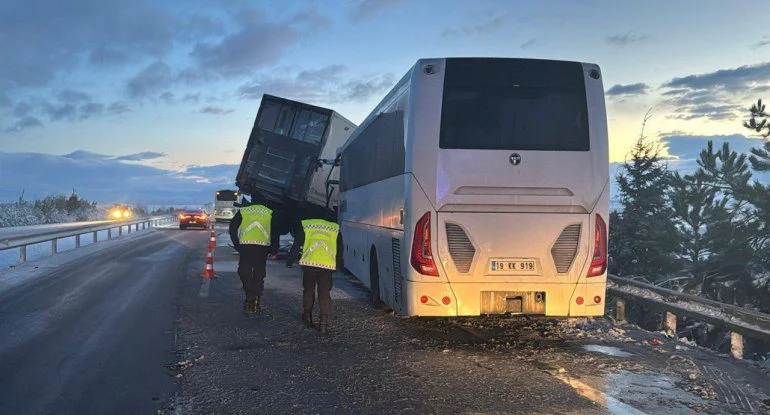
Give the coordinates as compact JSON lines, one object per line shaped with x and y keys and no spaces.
{"x":324,"y":324}
{"x":256,"y":306}
{"x":248,"y":306}
{"x":307,"y":318}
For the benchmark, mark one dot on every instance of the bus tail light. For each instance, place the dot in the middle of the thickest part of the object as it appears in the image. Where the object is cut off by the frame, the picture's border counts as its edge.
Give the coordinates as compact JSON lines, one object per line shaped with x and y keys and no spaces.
{"x":599,"y":260}
{"x":422,"y":255}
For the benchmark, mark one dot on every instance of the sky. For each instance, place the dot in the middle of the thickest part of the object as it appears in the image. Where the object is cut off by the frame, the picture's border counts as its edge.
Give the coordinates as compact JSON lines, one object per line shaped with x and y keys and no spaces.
{"x":174,"y":86}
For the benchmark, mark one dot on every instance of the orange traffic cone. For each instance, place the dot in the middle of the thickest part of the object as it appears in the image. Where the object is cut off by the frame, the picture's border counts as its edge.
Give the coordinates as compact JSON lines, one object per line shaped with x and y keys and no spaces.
{"x":208,"y":272}
{"x":212,"y":241}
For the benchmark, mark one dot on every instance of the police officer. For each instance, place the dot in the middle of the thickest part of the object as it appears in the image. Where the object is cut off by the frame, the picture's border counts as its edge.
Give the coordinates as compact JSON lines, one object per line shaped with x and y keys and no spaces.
{"x":321,"y":252}
{"x":250,"y":233}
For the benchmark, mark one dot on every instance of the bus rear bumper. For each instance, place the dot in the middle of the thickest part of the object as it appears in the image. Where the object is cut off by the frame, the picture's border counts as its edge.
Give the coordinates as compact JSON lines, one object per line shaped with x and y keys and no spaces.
{"x":475,"y":299}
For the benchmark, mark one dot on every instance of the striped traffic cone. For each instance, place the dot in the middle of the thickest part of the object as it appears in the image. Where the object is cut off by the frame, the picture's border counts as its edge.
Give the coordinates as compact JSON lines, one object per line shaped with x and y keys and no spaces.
{"x":208,"y":272}
{"x":212,"y":240}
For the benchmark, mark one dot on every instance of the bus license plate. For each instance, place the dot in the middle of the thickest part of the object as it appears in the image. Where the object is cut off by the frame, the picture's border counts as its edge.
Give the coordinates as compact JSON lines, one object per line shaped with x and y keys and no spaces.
{"x":512,"y":266}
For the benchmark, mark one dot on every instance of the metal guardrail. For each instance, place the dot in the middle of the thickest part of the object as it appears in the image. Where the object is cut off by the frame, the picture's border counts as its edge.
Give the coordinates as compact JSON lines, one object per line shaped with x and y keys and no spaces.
{"x":740,"y":321}
{"x":40,"y":235}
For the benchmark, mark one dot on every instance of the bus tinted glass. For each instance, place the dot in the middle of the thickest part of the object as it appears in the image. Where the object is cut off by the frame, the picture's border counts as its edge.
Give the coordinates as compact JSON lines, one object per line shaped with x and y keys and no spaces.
{"x":511,"y":104}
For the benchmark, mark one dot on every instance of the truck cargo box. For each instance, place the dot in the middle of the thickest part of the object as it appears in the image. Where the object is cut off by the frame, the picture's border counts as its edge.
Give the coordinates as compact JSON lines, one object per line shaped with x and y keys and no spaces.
{"x":289,"y":158}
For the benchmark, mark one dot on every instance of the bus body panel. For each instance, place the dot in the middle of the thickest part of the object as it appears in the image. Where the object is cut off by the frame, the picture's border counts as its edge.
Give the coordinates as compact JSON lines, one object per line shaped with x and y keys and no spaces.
{"x":485,"y":195}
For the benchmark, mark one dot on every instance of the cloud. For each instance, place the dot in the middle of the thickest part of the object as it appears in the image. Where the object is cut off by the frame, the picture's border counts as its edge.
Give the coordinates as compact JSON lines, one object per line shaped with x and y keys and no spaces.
{"x":215,"y":111}
{"x":626,"y":39}
{"x":258,"y":43}
{"x":22,"y":109}
{"x":707,"y":111}
{"x":735,"y":79}
{"x":85,"y":155}
{"x":60,"y":112}
{"x":192,"y":98}
{"x":688,"y":147}
{"x":365,"y":9}
{"x":529,"y":43}
{"x":762,"y":43}
{"x":94,"y":176}
{"x":145,"y":155}
{"x":152,"y":78}
{"x":718,"y":95}
{"x":23,"y":124}
{"x":90,"y":109}
{"x":71,"y":96}
{"x":321,"y":86}
{"x":167,"y":97}
{"x":118,"y":107}
{"x":361,"y":91}
{"x":632,"y":89}
{"x":59,"y":36}
{"x":490,"y":24}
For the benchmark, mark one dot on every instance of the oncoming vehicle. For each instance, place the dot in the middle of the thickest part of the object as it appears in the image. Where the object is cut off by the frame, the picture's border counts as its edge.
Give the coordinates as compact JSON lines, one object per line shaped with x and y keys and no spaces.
{"x":480,"y":186}
{"x":118,"y":212}
{"x":224,"y":205}
{"x":193,"y":217}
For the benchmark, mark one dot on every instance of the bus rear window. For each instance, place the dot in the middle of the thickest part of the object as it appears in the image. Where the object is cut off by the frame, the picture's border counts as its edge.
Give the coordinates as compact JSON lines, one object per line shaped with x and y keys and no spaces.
{"x":226,"y":196}
{"x":511,"y":104}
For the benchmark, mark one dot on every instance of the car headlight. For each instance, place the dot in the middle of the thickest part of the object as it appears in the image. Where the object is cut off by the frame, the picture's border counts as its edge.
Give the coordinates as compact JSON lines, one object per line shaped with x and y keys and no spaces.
{"x":126,"y":214}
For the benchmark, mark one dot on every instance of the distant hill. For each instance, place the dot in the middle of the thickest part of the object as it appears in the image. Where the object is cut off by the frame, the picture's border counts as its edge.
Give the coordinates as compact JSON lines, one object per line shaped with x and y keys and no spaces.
{"x":108,"y":179}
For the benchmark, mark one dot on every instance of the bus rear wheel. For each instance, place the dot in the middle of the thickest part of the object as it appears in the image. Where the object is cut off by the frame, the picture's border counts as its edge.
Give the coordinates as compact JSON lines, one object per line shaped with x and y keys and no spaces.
{"x":374,"y":282}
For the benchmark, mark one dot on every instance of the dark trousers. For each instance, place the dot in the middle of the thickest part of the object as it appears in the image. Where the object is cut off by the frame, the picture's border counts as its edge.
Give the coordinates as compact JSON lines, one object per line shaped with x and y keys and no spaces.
{"x":252,"y":263}
{"x":313,"y":277}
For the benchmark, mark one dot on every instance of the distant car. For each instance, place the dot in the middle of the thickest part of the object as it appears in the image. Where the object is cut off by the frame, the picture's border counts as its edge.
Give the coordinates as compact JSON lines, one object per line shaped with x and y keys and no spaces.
{"x":118,"y":212}
{"x":194,"y":218}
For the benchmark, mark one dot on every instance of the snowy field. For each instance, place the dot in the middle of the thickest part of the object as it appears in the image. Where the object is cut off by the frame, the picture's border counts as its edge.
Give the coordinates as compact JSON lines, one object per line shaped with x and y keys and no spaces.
{"x":10,"y":257}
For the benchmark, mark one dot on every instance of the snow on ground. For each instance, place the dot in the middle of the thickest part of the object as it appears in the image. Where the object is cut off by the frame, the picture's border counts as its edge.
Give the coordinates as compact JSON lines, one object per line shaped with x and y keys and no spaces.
{"x":26,"y":213}
{"x":10,"y":257}
{"x":44,"y":262}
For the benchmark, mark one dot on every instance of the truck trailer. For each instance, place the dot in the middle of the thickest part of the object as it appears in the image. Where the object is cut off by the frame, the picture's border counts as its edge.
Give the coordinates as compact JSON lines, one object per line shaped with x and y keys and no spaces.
{"x":290,"y":158}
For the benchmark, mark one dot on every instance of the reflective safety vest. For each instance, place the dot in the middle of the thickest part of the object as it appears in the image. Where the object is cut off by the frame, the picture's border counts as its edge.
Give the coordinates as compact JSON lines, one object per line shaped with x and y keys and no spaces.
{"x":320,"y":248}
{"x":255,"y":226}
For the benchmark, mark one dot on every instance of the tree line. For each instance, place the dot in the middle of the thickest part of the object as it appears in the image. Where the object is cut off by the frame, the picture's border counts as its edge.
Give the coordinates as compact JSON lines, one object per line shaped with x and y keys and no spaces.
{"x":705,"y":233}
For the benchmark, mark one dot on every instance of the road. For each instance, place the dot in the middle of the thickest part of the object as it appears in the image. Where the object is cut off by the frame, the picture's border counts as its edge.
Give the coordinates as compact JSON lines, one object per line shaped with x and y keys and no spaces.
{"x":132,"y":328}
{"x":375,"y":362}
{"x":93,"y":335}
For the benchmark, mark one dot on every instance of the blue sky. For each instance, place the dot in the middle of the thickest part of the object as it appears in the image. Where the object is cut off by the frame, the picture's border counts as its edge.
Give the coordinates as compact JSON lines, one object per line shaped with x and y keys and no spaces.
{"x":177,"y":84}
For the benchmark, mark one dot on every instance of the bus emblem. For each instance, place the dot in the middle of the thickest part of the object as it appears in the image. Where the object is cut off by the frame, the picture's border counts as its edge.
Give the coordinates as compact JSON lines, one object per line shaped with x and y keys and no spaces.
{"x":515,"y":159}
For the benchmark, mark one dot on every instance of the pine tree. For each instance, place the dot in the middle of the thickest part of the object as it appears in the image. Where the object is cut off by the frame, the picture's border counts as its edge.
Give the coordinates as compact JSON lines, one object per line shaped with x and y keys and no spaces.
{"x":732,"y":228}
{"x":644,"y":240}
{"x":692,"y":199}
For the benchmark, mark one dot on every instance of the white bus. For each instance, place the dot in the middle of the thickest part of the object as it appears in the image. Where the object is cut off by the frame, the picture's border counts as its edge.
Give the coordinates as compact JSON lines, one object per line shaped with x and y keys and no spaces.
{"x":224,"y":205}
{"x":480,"y":186}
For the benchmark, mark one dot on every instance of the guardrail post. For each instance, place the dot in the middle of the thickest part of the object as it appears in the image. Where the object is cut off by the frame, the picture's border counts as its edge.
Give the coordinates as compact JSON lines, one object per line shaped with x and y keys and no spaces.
{"x":620,"y":309}
{"x":53,"y":246}
{"x":120,"y":231}
{"x":23,"y":254}
{"x":109,"y":234}
{"x":129,"y":228}
{"x":77,"y":241}
{"x":671,"y":324}
{"x":736,"y":345}
{"x":95,"y":237}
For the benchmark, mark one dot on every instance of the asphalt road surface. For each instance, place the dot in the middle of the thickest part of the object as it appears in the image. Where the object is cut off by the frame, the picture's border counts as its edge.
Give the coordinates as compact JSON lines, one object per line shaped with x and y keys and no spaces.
{"x":93,"y":336}
{"x":373,"y":362}
{"x":133,"y":328}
